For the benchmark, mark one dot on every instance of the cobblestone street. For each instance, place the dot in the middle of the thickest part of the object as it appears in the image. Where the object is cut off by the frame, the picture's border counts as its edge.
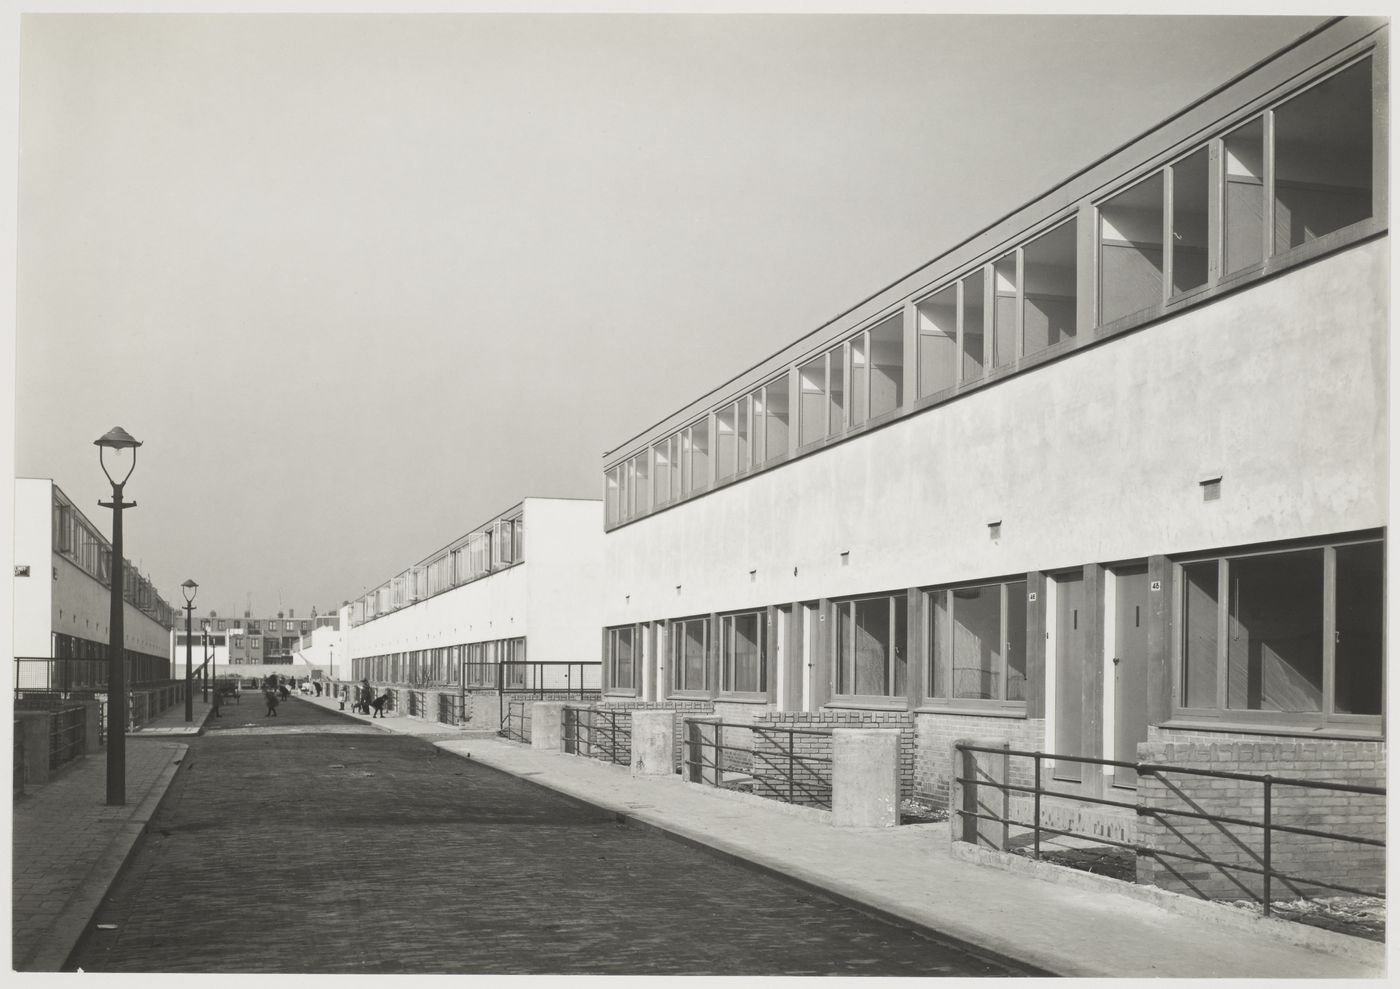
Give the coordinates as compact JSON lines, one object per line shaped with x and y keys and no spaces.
{"x":313,"y":843}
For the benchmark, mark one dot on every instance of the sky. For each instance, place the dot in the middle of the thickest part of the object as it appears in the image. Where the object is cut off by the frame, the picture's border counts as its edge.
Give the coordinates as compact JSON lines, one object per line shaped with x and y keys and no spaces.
{"x":359,"y":282}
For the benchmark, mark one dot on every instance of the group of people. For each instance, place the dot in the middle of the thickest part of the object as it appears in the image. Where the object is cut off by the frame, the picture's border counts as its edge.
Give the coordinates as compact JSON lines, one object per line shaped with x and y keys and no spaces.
{"x":364,"y":699}
{"x":275,"y":691}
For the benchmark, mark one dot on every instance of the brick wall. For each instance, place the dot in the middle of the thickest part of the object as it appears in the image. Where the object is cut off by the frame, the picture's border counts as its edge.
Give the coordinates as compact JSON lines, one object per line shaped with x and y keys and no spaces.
{"x":811,"y":781}
{"x":682,"y":709}
{"x":1354,"y":762}
{"x":933,"y":755}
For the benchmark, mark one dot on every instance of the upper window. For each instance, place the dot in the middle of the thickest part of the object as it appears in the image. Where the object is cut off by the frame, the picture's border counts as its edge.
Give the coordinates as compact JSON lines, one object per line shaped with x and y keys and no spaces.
{"x":977,"y":643}
{"x":1322,"y":158}
{"x":690,"y":649}
{"x":869,"y":646}
{"x":854,"y":381}
{"x":744,"y":652}
{"x":1293,"y":636}
{"x":1315,"y":178}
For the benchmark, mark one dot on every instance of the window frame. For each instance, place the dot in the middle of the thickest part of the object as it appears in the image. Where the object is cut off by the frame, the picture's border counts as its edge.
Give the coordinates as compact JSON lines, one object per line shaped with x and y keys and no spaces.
{"x":1221,"y":713}
{"x":889,"y":699}
{"x":675,"y":630}
{"x":612,"y":685}
{"x":939,"y":695}
{"x":725,"y":624}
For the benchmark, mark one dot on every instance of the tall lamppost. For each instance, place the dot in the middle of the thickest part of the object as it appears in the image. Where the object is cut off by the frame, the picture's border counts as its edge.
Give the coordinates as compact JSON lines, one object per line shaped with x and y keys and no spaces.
{"x":330,"y":672}
{"x":205,"y":632}
{"x":190,"y":589}
{"x":117,"y":440}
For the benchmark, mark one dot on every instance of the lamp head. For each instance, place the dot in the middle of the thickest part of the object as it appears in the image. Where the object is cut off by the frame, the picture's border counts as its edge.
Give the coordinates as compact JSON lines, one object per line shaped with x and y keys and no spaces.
{"x":189,"y":588}
{"x":117,"y":440}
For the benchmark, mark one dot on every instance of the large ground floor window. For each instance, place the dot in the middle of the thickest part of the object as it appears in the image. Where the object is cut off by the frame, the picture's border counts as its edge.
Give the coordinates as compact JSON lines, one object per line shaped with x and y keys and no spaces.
{"x":744,"y":652}
{"x":870,"y":646}
{"x":1296,"y":633}
{"x":690,"y":649}
{"x":620,"y":665}
{"x":977,"y":642}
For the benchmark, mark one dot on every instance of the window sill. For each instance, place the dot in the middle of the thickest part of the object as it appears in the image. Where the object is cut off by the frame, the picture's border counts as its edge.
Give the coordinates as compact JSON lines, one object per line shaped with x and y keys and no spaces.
{"x":868,"y":704}
{"x":742,"y":698}
{"x":971,"y":711}
{"x":690,"y":695}
{"x":1340,"y":732}
{"x":619,"y":692}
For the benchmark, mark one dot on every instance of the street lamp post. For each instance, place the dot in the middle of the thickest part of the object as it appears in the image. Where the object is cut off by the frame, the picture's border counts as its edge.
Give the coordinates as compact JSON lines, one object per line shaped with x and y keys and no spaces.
{"x":117,"y":440}
{"x":205,"y":631}
{"x":190,"y":589}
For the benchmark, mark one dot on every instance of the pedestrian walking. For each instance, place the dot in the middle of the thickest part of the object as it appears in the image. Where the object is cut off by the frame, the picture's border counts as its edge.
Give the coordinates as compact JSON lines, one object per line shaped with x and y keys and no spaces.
{"x":214,"y":696}
{"x":366,"y":695}
{"x":344,"y":693}
{"x":282,"y":689}
{"x":379,"y":704}
{"x":272,"y":701}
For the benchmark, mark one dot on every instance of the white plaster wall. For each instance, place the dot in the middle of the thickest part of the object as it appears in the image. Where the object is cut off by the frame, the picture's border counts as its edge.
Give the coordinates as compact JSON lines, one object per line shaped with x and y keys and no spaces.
{"x":564,"y":554}
{"x":1280,"y":388}
{"x":33,"y":595}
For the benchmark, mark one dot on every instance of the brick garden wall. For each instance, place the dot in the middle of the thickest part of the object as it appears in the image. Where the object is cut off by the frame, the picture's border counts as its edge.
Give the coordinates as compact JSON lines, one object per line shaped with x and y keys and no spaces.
{"x":812,"y":781}
{"x":682,"y":709}
{"x":933,"y":755}
{"x":1354,"y":762}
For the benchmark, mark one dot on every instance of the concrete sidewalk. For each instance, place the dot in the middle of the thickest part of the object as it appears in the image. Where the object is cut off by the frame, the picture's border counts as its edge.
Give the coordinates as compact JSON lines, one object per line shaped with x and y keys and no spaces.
{"x":69,"y":846}
{"x":1070,"y":928}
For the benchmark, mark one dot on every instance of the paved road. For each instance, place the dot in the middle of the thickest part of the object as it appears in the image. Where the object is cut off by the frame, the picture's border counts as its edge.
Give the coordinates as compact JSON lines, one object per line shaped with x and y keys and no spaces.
{"x":315,"y":843}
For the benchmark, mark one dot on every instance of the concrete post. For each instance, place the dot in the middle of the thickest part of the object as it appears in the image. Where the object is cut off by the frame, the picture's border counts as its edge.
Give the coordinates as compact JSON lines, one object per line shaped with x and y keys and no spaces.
{"x":547,"y":725}
{"x":34,"y":726}
{"x":92,"y":725}
{"x":653,"y":743}
{"x":865,"y":777}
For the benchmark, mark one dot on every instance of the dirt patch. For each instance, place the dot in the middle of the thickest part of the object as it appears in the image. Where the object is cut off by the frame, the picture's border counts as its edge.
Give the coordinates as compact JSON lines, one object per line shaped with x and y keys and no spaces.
{"x":912,"y":812}
{"x":1359,"y":916}
{"x":1116,"y":863}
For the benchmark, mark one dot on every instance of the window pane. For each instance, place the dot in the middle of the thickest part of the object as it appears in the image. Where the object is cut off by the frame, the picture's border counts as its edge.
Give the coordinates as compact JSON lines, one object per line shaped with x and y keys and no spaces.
{"x":972,"y":322}
{"x":744,"y":643}
{"x":1200,"y":646}
{"x":1244,"y":197}
{"x":611,"y":501}
{"x":859,"y":380}
{"x":976,"y":660}
{"x":642,"y":489}
{"x":887,"y":366}
{"x":1130,"y":251}
{"x":1322,"y":158}
{"x":812,"y":380}
{"x":692,"y":654}
{"x":837,"y":397}
{"x":937,"y":318}
{"x":1004,"y":283}
{"x":776,"y":400}
{"x":938,"y":650}
{"x":687,"y":478}
{"x":662,"y":459}
{"x":1189,"y":243}
{"x":622,"y":657}
{"x":899,"y":662}
{"x":700,"y":453}
{"x":1275,"y":647}
{"x":725,"y":442}
{"x":1360,"y":629}
{"x":872,"y":646}
{"x":741,"y":432}
{"x":759,"y":412}
{"x":1050,"y":308}
{"x":1015,"y":641}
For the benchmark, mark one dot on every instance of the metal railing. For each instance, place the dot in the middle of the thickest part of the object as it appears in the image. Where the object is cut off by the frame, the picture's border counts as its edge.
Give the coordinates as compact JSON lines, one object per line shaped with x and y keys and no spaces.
{"x":598,"y":733}
{"x":787,"y":774}
{"x":515,"y":721}
{"x":67,"y":735}
{"x":1268,"y":826}
{"x":40,"y":674}
{"x":447,"y":709}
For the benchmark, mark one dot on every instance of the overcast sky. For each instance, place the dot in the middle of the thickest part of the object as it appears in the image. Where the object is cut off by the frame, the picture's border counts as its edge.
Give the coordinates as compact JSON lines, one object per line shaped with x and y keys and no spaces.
{"x":361,"y":282}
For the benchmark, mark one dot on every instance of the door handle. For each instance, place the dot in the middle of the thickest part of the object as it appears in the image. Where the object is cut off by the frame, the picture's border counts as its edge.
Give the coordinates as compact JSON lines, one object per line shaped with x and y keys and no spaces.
{"x":1117,"y":660}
